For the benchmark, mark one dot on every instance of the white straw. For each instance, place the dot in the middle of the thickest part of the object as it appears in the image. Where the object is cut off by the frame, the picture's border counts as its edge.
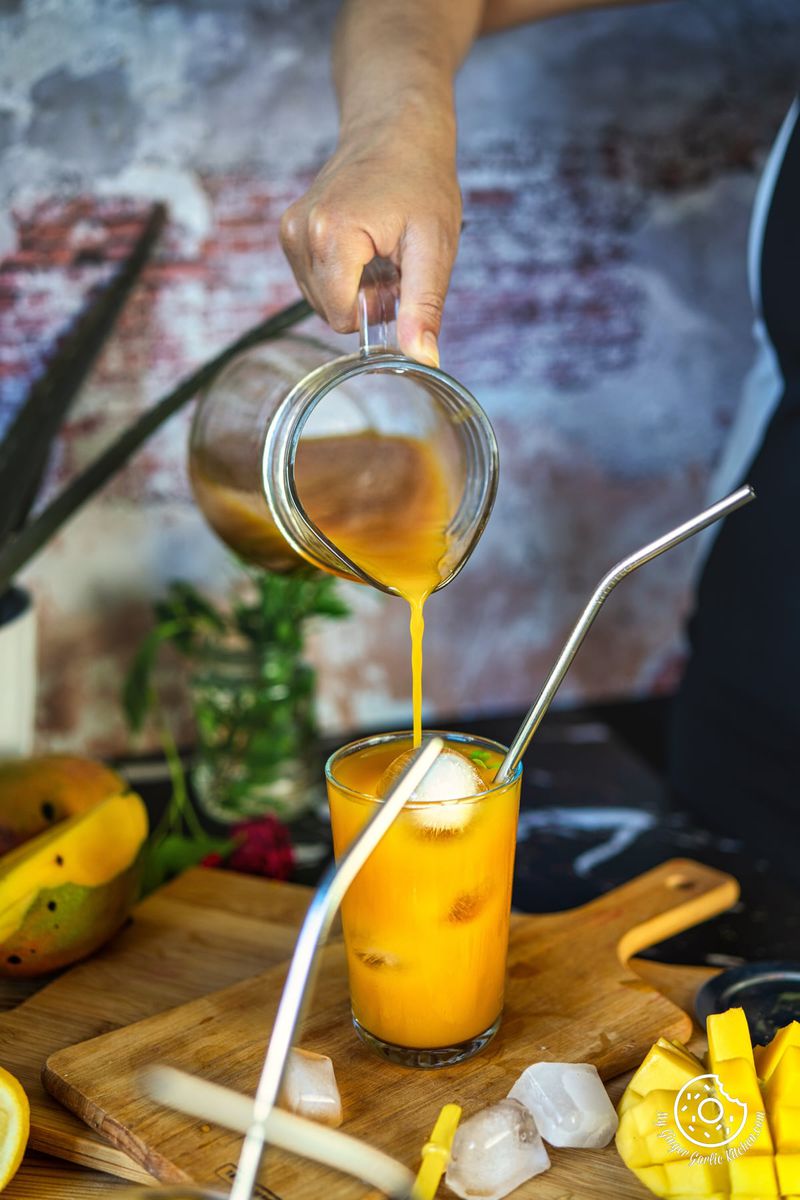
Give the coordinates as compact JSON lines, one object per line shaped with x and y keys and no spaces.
{"x":223,"y":1106}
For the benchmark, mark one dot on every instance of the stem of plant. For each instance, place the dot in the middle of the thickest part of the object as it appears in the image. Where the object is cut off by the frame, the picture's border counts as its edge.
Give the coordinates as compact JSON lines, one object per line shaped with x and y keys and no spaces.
{"x":179,"y":808}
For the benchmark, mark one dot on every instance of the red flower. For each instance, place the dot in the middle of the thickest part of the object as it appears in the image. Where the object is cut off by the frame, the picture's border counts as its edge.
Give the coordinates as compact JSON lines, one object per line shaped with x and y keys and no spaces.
{"x":212,"y":860}
{"x":263,"y":847}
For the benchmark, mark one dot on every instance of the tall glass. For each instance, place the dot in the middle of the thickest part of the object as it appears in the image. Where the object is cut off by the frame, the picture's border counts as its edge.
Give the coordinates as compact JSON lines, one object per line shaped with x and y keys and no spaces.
{"x":426,"y":920}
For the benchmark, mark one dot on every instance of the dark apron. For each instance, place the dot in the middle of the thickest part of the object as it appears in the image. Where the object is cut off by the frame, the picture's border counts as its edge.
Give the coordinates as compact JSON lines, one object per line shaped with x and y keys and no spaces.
{"x":735,"y":739}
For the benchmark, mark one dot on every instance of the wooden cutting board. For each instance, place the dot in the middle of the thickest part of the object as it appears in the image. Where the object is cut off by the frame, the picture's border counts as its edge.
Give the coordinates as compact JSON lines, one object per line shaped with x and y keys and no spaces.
{"x":570,"y":997}
{"x":41,"y":1177}
{"x":204,"y":931}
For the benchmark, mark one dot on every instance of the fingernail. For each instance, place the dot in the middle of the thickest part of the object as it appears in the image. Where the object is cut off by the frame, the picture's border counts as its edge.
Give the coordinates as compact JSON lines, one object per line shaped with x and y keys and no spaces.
{"x":427,"y":349}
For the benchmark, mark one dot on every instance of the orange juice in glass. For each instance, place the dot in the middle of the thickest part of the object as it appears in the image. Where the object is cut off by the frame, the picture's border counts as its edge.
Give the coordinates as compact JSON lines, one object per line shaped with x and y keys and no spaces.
{"x":426,"y":920}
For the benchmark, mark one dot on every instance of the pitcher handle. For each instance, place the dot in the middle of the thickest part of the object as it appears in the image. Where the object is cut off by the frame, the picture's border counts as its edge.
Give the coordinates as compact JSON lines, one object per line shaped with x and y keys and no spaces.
{"x":378,"y":297}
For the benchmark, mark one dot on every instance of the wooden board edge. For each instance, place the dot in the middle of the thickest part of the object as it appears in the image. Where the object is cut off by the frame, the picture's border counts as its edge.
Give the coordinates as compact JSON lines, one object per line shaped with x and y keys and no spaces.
{"x":151,"y":1165}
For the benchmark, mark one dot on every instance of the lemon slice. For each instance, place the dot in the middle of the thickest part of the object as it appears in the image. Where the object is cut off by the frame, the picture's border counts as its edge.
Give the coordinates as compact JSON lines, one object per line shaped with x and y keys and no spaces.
{"x":15,"y":1124}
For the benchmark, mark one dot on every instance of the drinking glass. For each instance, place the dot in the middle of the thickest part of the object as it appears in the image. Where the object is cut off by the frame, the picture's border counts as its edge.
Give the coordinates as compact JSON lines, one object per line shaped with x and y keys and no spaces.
{"x":426,"y":920}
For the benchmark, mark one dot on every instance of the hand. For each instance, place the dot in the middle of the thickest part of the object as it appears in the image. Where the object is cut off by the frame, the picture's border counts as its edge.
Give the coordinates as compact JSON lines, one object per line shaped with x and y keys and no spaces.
{"x":390,"y":191}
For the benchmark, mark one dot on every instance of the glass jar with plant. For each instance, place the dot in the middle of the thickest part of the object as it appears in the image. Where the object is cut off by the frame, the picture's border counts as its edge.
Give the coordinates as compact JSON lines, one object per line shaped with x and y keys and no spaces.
{"x":251,"y":689}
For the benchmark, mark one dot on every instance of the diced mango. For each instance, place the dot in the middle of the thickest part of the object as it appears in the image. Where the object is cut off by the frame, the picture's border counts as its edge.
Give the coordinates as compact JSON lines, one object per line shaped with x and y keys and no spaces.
{"x":782,"y":1090}
{"x":768,"y":1057}
{"x":785,"y":1126}
{"x":788,"y":1168}
{"x":655,"y":1110}
{"x":629,"y":1099}
{"x":740,"y":1083}
{"x":682,"y":1052}
{"x":728,"y":1037}
{"x":631,"y":1144}
{"x":753,"y":1176}
{"x":664,"y":1068}
{"x":661,"y":1148}
{"x":714,"y":1139}
{"x":654,"y":1178}
{"x":701,"y":1179}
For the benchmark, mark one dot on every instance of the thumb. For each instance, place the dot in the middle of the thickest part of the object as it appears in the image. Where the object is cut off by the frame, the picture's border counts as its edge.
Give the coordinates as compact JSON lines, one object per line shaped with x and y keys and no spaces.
{"x":425,"y":274}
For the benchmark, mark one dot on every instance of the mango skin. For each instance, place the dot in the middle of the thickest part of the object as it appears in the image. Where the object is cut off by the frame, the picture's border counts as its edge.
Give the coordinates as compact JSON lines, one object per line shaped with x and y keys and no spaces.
{"x":66,"y":891}
{"x":36,"y":793}
{"x":82,"y":920}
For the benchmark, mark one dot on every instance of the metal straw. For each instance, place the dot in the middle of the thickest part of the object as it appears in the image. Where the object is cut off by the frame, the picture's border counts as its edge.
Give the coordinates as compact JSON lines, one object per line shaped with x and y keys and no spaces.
{"x":315,"y":927}
{"x":606,"y":585}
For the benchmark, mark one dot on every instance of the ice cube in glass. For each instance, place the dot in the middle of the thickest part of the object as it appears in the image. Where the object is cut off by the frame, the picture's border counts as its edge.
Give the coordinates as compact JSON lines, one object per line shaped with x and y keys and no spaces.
{"x":451,"y":779}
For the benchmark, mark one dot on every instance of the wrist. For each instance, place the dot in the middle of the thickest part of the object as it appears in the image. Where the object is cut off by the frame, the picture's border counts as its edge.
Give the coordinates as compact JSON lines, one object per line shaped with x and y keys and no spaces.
{"x":411,"y":114}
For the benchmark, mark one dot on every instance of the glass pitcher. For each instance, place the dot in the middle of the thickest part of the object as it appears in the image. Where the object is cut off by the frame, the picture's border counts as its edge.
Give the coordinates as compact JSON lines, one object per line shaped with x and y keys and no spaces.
{"x":284,"y":425}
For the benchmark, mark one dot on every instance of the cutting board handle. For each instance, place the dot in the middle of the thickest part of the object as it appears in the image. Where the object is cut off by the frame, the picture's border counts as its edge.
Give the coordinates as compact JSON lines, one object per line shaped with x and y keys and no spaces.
{"x":670,"y":898}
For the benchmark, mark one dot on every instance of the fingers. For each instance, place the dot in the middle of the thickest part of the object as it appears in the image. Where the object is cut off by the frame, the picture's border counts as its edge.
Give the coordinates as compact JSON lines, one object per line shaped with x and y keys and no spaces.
{"x":426,"y":262}
{"x":390,"y":198}
{"x":327,"y":252}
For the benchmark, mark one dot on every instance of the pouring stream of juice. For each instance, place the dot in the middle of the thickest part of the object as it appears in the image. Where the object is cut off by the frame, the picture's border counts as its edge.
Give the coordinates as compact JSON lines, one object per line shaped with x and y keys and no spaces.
{"x":384,"y":502}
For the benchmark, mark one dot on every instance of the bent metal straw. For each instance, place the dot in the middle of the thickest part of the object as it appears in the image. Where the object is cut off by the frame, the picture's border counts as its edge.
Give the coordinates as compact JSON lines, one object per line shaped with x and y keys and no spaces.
{"x":606,"y":585}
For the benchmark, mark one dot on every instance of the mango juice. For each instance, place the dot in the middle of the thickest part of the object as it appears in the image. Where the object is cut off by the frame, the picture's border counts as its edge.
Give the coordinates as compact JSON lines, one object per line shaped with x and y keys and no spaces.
{"x":426,"y":920}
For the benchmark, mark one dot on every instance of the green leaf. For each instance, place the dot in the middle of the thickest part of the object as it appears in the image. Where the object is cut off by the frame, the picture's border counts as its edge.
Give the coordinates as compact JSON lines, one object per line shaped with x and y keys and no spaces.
{"x":195,"y":618}
{"x":174,"y":853}
{"x":190,"y":603}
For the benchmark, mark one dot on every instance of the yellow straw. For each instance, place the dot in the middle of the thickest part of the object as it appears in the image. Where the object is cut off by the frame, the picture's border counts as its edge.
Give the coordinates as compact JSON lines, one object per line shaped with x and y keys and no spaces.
{"x":436,"y":1153}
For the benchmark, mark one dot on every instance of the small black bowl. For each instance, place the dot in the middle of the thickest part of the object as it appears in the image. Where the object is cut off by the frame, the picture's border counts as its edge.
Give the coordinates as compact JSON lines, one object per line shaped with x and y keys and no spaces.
{"x":769,"y":993}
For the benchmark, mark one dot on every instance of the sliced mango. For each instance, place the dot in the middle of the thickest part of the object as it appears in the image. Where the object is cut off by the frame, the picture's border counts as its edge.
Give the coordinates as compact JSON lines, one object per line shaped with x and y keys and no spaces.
{"x":36,"y":793}
{"x":703,"y":1179}
{"x":785,"y":1125}
{"x":782,"y":1089}
{"x":654,"y":1178}
{"x":768,"y":1057}
{"x":788,"y":1168}
{"x":753,"y":1176}
{"x":632,"y":1144}
{"x":728,"y":1037}
{"x":665,"y":1067}
{"x":739,"y":1080}
{"x":63,"y":893}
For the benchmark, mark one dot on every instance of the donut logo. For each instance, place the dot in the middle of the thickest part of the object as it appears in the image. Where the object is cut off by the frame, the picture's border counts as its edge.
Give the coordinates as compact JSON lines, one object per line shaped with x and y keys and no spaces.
{"x":706,"y":1115}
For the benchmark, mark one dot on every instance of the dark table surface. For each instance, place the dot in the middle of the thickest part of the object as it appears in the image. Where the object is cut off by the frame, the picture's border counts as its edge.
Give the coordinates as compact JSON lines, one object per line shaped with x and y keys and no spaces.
{"x":594,"y":815}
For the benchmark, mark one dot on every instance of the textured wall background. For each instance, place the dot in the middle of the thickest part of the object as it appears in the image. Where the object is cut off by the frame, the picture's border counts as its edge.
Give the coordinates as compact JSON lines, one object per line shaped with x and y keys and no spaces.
{"x":599,"y":311}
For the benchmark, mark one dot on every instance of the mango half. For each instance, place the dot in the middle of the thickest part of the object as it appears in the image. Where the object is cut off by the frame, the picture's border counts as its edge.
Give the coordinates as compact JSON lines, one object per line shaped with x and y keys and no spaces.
{"x":36,"y":793}
{"x":728,"y":1128}
{"x":66,"y":891}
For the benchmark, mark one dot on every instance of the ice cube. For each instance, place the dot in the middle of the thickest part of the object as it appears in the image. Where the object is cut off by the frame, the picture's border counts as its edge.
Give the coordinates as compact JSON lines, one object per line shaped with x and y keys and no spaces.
{"x":495,"y":1151}
{"x":467,"y":906}
{"x":569,"y":1103}
{"x":309,"y":1087}
{"x":370,"y":956}
{"x":451,"y":778}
